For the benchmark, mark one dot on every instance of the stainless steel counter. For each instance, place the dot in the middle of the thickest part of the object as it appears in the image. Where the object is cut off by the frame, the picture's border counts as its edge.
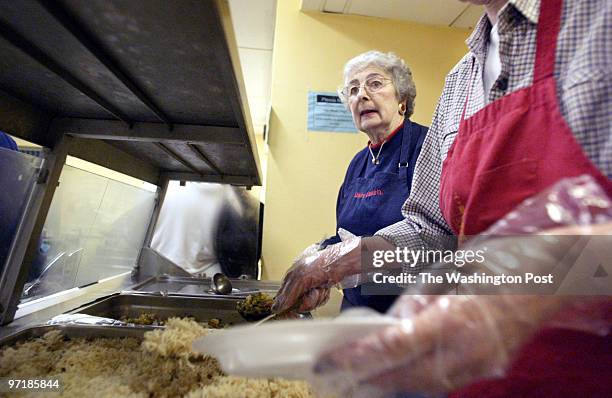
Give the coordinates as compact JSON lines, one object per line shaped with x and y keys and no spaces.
{"x":73,"y":331}
{"x":201,"y":309}
{"x":166,"y":284}
{"x":128,"y":296}
{"x":41,"y":313}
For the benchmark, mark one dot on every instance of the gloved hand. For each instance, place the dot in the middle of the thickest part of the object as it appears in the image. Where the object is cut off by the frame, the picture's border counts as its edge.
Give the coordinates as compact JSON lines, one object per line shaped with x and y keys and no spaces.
{"x":314,"y":299}
{"x":443,"y":343}
{"x":310,"y":300}
{"x":315,"y":270}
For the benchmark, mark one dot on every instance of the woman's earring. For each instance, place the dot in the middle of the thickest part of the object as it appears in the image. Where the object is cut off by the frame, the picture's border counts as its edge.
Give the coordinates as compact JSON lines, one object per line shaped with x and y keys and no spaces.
{"x":401,"y":109}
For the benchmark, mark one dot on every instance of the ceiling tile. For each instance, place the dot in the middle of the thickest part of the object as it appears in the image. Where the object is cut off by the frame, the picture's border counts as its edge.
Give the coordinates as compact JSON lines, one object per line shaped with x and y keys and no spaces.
{"x":336,"y":6}
{"x":469,"y":18}
{"x":312,"y":5}
{"x":435,"y":12}
{"x":258,"y":107}
{"x":253,"y":22}
{"x":256,"y":69}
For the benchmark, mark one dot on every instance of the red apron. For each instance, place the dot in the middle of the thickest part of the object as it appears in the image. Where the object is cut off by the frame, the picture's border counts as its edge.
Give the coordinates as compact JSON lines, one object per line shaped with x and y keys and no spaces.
{"x":507,"y":152}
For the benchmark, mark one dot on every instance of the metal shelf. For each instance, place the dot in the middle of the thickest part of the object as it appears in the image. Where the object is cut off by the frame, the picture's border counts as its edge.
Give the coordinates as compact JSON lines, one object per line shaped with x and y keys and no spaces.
{"x":150,"y":88}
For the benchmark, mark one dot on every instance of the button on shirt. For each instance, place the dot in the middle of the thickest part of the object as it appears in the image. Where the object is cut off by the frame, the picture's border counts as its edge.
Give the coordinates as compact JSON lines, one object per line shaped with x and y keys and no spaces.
{"x":583,"y":72}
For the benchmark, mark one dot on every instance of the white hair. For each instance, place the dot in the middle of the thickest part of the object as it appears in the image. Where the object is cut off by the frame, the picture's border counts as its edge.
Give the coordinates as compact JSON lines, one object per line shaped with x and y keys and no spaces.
{"x":400,"y":73}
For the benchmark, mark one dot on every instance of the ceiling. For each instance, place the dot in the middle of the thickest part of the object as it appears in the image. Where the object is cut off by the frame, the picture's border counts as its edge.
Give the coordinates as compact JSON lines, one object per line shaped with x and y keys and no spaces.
{"x":254,"y":22}
{"x":433,"y":12}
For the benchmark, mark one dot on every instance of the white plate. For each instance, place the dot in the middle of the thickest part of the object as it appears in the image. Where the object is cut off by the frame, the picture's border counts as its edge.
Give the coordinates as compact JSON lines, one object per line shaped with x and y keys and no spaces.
{"x":286,"y":348}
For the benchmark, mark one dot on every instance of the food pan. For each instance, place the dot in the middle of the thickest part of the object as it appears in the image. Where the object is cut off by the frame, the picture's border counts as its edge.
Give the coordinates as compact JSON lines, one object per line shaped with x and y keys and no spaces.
{"x":202,"y":286}
{"x":201,"y":309}
{"x":74,"y":331}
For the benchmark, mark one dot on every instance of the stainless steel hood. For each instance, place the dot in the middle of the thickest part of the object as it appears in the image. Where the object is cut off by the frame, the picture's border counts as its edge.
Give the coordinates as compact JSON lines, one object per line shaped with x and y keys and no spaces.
{"x":150,"y":88}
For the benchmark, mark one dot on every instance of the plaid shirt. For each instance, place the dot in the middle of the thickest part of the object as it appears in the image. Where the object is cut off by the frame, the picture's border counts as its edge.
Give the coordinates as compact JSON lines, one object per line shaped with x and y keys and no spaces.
{"x":583,"y":72}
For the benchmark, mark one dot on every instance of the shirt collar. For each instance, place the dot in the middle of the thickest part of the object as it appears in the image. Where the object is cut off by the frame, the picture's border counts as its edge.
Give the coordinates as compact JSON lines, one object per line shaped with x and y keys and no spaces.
{"x":390,"y":136}
{"x":478,"y":40}
{"x":529,"y":8}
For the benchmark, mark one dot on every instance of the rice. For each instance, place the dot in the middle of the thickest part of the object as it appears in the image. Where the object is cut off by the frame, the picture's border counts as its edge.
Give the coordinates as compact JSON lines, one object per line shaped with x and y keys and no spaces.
{"x":175,"y":340}
{"x":240,"y":387}
{"x":161,"y":365}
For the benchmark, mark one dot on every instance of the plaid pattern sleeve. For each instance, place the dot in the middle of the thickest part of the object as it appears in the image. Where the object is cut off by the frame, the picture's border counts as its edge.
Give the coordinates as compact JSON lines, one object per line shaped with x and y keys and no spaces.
{"x":583,"y":71}
{"x":423,"y":219}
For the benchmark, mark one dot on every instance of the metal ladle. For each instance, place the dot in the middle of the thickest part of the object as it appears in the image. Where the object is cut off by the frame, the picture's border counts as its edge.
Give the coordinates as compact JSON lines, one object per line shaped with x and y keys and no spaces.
{"x":221,"y":284}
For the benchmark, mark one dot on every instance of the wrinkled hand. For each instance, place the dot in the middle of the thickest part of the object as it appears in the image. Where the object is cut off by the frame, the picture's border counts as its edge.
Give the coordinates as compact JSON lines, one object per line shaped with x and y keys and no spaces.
{"x":443,"y":343}
{"x":313,"y":299}
{"x":316,"y":271}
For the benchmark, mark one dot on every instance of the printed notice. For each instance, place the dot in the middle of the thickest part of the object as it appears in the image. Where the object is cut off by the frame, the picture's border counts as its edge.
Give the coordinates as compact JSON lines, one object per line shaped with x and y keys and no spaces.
{"x":327,"y":113}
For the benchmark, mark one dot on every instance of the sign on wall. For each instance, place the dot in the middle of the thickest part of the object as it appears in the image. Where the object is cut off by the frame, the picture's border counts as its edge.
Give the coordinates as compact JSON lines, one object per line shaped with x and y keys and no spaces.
{"x":327,"y":113}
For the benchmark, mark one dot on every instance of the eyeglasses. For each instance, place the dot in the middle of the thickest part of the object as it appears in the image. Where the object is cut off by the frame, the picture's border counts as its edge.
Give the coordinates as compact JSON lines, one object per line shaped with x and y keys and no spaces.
{"x":371,"y":85}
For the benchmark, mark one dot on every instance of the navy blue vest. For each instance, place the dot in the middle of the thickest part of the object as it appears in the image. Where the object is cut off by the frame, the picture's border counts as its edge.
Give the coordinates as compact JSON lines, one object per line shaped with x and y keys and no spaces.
{"x":372,"y":196}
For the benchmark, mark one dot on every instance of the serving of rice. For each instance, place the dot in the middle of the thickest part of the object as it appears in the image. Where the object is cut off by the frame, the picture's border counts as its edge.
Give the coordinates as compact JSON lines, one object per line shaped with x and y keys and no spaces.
{"x":161,"y":365}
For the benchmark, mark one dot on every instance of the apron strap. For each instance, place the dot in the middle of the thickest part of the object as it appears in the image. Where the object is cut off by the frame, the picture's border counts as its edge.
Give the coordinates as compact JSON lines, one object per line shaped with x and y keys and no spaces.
{"x":364,"y":166}
{"x":409,"y":140}
{"x":549,"y":22}
{"x":404,"y":155}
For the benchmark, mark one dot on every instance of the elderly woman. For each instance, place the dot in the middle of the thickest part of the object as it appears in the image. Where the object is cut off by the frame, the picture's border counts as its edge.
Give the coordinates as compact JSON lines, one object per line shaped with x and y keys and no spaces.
{"x":379,"y":91}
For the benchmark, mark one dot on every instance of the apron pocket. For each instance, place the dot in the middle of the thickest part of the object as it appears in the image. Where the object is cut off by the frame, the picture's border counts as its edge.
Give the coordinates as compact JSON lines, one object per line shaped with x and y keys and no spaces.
{"x":509,"y":184}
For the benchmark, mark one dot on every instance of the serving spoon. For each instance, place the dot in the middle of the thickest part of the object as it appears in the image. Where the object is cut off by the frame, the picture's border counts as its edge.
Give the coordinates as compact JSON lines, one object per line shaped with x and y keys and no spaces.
{"x":221,"y":284}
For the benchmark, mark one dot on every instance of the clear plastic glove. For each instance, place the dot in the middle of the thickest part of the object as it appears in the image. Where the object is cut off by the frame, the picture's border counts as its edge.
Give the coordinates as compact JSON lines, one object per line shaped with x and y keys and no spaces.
{"x":316,"y":298}
{"x":443,"y":343}
{"x":317,"y":269}
{"x":313,"y":299}
{"x":448,"y":341}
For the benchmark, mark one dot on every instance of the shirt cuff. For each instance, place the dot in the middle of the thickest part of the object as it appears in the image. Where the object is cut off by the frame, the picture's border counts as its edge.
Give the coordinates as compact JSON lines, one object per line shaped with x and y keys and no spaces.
{"x":401,"y":235}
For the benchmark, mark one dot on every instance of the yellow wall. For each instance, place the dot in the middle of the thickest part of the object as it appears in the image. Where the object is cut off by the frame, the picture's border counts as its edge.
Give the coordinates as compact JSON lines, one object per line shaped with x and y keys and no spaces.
{"x":305,"y":169}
